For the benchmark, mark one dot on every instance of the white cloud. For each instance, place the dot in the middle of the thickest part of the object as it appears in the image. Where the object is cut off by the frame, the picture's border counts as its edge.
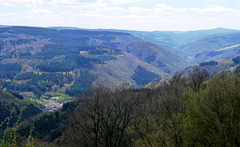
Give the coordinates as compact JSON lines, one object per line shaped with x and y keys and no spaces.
{"x":17,"y":2}
{"x":112,"y":14}
{"x":38,"y":11}
{"x":55,"y":2}
{"x":99,"y":2}
{"x":164,"y":7}
{"x":214,"y":9}
{"x":72,"y":2}
{"x":160,"y":17}
{"x":211,"y":0}
{"x":34,"y":2}
{"x":124,"y":1}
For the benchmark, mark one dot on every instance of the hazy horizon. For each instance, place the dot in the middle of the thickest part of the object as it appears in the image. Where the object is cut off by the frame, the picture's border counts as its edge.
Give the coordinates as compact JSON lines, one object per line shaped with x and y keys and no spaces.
{"x":70,"y":27}
{"x":141,"y":15}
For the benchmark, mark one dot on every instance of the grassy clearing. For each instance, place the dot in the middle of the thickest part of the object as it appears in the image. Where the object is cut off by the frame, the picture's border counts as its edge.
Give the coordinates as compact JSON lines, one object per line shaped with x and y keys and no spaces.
{"x":229,"y":47}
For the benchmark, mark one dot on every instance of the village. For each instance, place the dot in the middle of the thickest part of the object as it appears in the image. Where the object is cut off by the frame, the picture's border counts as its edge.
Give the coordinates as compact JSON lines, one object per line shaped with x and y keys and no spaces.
{"x":51,"y":104}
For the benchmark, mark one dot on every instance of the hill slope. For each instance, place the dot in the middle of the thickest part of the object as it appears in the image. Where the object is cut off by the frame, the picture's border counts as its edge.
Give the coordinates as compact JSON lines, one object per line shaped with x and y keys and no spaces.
{"x":219,"y":54}
{"x":215,"y":67}
{"x":40,"y":62}
{"x":210,"y":43}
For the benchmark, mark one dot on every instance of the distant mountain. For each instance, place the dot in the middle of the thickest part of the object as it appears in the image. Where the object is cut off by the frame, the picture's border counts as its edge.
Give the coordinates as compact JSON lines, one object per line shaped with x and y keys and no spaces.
{"x":219,"y":54}
{"x":211,"y":46}
{"x":181,"y":43}
{"x":211,"y":67}
{"x":214,"y":67}
{"x":172,"y":39}
{"x":177,"y":39}
{"x":4,"y":26}
{"x":43,"y":62}
{"x":66,"y":28}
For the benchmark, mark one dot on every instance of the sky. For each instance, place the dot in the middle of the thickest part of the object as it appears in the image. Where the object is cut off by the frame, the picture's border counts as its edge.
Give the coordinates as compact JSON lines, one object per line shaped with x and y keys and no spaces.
{"x":142,"y":15}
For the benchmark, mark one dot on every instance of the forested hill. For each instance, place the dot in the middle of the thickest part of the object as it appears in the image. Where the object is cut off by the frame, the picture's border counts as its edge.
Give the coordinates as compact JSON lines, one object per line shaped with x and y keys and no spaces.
{"x":195,"y":46}
{"x":173,"y":39}
{"x":45,"y":63}
{"x":211,"y":67}
{"x":211,"y":46}
{"x":187,"y":110}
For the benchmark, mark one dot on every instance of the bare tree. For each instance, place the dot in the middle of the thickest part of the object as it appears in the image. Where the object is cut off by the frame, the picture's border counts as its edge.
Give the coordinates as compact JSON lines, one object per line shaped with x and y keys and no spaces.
{"x":102,"y":118}
{"x":197,"y":77}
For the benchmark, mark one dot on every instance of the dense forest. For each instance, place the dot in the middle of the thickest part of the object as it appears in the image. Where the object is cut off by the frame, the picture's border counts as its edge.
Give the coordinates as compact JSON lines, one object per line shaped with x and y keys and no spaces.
{"x":188,"y":110}
{"x":41,"y":63}
{"x":185,"y":111}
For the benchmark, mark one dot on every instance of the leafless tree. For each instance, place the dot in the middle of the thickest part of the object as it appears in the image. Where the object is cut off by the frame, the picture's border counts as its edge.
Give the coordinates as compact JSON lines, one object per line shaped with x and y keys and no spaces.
{"x":102,"y":118}
{"x":197,"y":77}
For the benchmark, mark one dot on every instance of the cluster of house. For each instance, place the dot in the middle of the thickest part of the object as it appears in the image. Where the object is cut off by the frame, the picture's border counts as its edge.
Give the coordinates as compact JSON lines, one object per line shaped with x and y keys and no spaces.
{"x":52,"y":104}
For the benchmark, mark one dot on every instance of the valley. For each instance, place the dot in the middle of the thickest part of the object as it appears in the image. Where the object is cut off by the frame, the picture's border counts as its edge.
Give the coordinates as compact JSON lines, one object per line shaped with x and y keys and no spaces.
{"x":67,"y":61}
{"x":36,"y":61}
{"x":68,"y":85}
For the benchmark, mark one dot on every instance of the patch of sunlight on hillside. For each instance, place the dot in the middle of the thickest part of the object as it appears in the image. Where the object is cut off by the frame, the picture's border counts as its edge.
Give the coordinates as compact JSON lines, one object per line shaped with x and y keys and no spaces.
{"x":229,"y":47}
{"x":225,"y":62}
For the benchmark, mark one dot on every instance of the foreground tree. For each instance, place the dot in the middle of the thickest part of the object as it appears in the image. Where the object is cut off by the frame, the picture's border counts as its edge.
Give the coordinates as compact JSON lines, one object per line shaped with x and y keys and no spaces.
{"x":177,"y":113}
{"x":102,"y":118}
{"x":215,"y":111}
{"x":197,"y":77}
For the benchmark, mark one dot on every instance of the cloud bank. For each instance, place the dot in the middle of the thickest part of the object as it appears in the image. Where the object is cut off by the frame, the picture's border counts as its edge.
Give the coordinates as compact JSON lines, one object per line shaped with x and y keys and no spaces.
{"x":124,"y":14}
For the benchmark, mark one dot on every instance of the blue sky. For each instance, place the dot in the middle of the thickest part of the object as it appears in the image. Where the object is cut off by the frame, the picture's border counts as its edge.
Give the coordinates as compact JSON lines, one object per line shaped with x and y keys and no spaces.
{"x":144,"y":15}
